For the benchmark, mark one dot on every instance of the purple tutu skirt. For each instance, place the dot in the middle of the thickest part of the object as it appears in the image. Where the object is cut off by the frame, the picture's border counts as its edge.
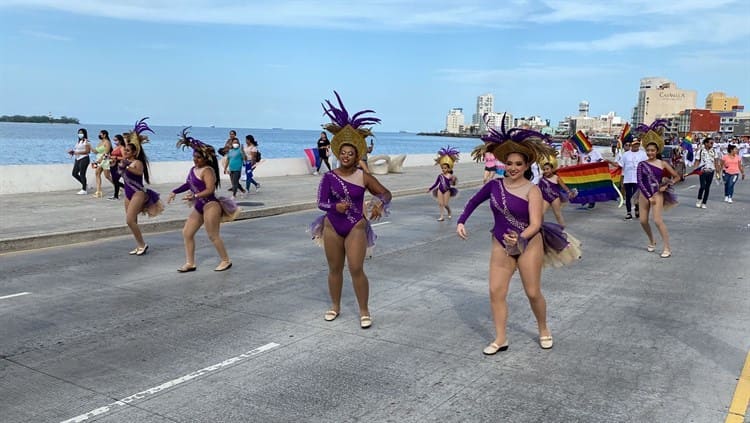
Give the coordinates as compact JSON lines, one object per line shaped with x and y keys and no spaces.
{"x":452,"y":190}
{"x":560,"y":248}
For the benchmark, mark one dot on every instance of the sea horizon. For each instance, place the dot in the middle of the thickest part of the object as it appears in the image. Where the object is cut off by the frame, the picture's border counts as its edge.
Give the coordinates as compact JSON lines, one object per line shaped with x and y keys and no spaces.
{"x":48,"y":143}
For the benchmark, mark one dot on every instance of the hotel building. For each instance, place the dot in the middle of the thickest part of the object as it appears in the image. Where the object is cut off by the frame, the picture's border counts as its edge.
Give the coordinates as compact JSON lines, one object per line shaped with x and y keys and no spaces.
{"x":454,"y":122}
{"x":660,"y":97}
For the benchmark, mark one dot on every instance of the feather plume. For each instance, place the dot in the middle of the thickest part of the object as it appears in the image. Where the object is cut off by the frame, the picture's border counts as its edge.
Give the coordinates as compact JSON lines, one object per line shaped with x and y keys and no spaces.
{"x":340,"y":117}
{"x":186,"y":141}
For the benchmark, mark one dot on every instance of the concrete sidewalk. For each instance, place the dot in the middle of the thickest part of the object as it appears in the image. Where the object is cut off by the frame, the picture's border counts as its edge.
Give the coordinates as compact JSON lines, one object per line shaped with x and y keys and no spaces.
{"x":40,"y":220}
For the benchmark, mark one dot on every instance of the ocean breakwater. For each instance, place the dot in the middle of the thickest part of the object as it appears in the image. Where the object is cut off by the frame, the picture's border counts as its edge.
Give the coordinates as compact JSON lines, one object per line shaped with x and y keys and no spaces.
{"x":18,"y":179}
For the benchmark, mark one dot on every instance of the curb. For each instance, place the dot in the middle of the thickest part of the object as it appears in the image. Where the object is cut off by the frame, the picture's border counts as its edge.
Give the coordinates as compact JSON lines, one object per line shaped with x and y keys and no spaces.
{"x":74,"y":237}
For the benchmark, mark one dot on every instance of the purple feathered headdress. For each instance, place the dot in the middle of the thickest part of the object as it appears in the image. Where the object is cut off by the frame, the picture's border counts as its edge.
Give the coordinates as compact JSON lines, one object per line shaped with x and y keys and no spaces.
{"x":186,"y":141}
{"x":447,"y":155}
{"x":346,"y":129}
{"x":532,"y":144}
{"x":137,"y":136}
{"x":658,"y":126}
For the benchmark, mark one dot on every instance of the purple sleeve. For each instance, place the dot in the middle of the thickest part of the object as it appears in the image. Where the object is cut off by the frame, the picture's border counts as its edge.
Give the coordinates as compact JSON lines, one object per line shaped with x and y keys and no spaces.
{"x":480,"y":197}
{"x":437,"y":181}
{"x":324,"y":193}
{"x":184,"y":187}
{"x":643,"y":180}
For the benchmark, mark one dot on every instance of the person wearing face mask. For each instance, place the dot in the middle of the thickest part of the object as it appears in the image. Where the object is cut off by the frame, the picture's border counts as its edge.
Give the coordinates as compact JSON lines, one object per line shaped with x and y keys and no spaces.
{"x":233,"y":165}
{"x":81,"y":154}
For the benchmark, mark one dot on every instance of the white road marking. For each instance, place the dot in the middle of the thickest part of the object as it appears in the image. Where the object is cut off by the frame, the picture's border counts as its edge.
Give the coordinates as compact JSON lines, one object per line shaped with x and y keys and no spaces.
{"x":690,"y":187}
{"x":14,"y":295}
{"x":172,"y":383}
{"x":380,"y":223}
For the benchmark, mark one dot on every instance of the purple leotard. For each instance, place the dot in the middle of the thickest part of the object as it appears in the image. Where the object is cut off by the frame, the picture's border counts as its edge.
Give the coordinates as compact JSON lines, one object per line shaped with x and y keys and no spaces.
{"x":649,"y":181}
{"x":134,"y":183}
{"x":196,"y":185}
{"x":550,"y":190}
{"x":333,"y":190}
{"x":511,"y":213}
{"x":443,"y":184}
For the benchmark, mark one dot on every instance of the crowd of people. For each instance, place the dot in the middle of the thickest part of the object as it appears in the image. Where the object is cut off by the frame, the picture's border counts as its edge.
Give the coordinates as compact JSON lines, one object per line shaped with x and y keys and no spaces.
{"x":520,"y":183}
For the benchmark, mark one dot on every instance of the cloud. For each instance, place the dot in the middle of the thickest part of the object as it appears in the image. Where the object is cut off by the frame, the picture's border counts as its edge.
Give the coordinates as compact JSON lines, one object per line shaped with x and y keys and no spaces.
{"x":713,"y":29}
{"x":622,"y":10}
{"x":46,"y":35}
{"x":526,"y":72}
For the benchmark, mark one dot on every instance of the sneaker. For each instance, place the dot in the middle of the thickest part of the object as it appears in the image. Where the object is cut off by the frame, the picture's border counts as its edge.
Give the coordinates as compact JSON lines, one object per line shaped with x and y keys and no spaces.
{"x":628,"y":216}
{"x":726,"y":199}
{"x":591,"y":205}
{"x":315,"y":173}
{"x":698,"y":204}
{"x":81,"y":192}
{"x":113,"y":198}
{"x":257,"y":188}
{"x":729,"y":200}
{"x":703,"y":206}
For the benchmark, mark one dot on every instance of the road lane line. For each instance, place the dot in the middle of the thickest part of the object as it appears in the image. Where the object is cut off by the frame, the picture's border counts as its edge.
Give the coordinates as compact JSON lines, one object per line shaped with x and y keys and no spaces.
{"x":690,"y":187}
{"x":14,"y":295}
{"x":741,"y":398}
{"x":380,"y":223}
{"x":172,"y":383}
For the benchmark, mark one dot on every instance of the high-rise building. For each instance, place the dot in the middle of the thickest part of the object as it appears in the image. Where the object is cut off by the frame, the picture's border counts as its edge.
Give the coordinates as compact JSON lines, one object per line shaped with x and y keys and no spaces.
{"x":485,"y":104}
{"x":583,"y":108}
{"x":495,"y":120}
{"x":454,"y":121}
{"x":660,"y":97}
{"x":717,"y":101}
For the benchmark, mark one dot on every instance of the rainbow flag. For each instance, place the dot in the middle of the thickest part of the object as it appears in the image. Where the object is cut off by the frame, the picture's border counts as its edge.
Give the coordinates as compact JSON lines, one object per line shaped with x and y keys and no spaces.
{"x":626,"y":135}
{"x":593,"y":181}
{"x":581,"y":142}
{"x":312,"y":157}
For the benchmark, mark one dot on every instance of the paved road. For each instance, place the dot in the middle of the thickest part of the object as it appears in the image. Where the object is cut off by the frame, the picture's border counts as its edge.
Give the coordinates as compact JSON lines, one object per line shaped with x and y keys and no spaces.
{"x":637,"y":338}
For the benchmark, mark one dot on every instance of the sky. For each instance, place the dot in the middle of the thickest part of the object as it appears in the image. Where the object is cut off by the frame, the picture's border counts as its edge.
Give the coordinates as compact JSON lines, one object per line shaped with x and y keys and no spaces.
{"x":270,"y":64}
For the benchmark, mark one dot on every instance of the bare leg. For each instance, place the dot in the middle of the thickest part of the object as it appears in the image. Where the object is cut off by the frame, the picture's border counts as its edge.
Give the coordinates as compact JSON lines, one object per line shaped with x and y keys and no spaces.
{"x":192,"y":224}
{"x":132,"y":209}
{"x":355,"y":247}
{"x":108,"y":175}
{"x":334,"y":248}
{"x":98,"y":175}
{"x":446,"y":201}
{"x":530,"y":268}
{"x":658,"y":208}
{"x":557,"y":210}
{"x":211,"y":221}
{"x":502,"y":267}
{"x":644,"y":206}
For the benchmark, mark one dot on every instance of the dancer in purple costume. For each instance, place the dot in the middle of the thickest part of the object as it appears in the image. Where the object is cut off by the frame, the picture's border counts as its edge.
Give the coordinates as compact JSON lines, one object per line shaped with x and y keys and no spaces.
{"x":138,"y":199}
{"x":202,"y":182}
{"x":551,"y":187}
{"x":655,"y":180}
{"x":344,"y":230}
{"x":520,"y":239}
{"x":444,"y":187}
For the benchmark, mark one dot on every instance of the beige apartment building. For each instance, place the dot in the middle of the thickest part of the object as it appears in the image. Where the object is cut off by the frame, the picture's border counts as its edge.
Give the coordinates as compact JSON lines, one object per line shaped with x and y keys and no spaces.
{"x":717,"y":101}
{"x":660,"y":97}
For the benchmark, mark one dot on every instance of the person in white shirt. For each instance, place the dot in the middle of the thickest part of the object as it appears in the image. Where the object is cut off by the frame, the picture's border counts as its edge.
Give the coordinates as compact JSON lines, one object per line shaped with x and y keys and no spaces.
{"x":628,"y":161}
{"x":81,"y":154}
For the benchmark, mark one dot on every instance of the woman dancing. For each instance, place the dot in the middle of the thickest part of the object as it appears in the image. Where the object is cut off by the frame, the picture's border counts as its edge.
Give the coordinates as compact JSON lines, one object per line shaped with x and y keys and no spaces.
{"x":655,"y":195}
{"x":551,"y":186}
{"x":444,"y":187}
{"x":344,"y":230}
{"x":520,"y":239}
{"x":202,"y":182}
{"x":138,"y":198}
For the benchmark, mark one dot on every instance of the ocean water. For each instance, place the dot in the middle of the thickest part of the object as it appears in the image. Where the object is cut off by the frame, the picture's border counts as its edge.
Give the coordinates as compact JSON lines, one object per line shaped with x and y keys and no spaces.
{"x":39,"y":143}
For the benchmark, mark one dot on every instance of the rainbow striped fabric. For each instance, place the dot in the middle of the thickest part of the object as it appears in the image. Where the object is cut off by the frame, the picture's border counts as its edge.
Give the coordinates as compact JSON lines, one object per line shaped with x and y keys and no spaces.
{"x":626,"y":135}
{"x":593,"y":181}
{"x":581,"y":142}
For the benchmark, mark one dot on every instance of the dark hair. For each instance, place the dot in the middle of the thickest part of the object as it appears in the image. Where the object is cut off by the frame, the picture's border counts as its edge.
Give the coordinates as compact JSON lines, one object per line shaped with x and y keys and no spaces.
{"x":105,"y":132}
{"x":119,"y":139}
{"x":142,"y":157}
{"x":251,"y":139}
{"x":730,"y":148}
{"x":85,"y":132}
{"x":707,"y":140}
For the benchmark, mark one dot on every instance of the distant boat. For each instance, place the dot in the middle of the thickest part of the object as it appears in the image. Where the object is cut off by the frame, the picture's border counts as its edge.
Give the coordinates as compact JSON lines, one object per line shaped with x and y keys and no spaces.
{"x":277,"y":129}
{"x":403,"y":132}
{"x":212,"y":126}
